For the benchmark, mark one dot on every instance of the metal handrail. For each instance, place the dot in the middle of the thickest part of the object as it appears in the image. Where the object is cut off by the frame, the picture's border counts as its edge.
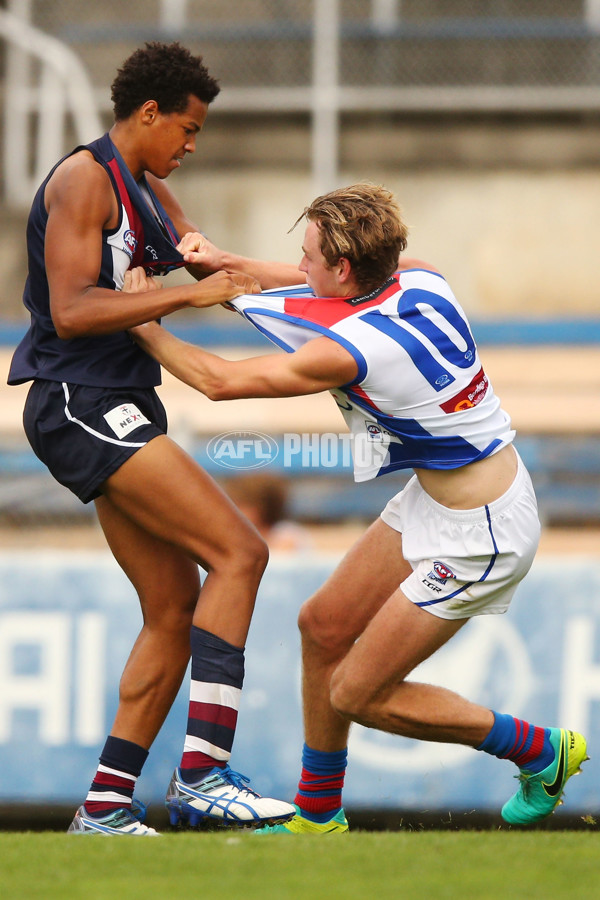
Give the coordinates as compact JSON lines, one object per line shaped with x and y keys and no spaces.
{"x":64,"y":87}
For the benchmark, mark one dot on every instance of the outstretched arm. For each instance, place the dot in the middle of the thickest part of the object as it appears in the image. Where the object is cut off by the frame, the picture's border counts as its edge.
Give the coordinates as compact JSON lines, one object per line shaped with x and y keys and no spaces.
{"x":319,"y":365}
{"x":202,"y":256}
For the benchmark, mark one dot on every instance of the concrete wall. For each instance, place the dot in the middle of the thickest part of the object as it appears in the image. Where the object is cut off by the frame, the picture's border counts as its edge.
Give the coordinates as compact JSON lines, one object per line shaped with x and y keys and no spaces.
{"x":507,"y":209}
{"x":511,"y":243}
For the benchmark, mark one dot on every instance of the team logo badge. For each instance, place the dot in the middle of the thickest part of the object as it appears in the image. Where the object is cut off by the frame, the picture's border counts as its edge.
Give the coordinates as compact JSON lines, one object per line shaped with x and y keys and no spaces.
{"x":441,"y":572}
{"x":374,"y":432}
{"x":130,"y":241}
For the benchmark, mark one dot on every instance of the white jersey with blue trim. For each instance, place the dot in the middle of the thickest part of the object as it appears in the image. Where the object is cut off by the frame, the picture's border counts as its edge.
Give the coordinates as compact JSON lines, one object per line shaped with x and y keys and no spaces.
{"x":421,"y":398}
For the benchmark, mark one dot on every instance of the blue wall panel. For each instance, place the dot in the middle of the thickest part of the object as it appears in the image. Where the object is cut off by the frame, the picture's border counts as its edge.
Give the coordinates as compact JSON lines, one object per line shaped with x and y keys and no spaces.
{"x":67,"y":622}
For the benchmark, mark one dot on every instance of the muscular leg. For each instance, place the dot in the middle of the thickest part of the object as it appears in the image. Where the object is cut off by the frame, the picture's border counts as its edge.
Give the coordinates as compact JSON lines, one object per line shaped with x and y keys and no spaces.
{"x":171,"y":498}
{"x":162,"y":515}
{"x":369,"y":686}
{"x":335,"y":616}
{"x":167,"y":583}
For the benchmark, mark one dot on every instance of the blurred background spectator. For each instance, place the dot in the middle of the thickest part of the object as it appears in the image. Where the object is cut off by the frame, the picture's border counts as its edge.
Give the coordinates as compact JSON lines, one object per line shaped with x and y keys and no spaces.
{"x":263,"y":498}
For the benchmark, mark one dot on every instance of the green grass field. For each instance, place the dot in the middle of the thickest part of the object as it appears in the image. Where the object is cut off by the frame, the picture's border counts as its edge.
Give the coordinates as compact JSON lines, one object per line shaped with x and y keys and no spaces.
{"x":219,"y":866}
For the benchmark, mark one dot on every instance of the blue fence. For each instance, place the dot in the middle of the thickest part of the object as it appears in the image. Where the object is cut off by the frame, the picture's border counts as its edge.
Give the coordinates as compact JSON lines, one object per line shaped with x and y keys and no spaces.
{"x":67,"y":621}
{"x":565,"y":472}
{"x":489,"y":332}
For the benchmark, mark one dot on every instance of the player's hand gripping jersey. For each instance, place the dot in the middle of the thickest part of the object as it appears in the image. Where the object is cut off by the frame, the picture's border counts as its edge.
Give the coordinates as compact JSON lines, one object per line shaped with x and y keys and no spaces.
{"x":421,"y":398}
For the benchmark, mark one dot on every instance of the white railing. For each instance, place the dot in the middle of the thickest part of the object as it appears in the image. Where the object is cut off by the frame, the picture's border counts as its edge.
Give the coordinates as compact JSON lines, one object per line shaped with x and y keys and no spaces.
{"x":63,"y":88}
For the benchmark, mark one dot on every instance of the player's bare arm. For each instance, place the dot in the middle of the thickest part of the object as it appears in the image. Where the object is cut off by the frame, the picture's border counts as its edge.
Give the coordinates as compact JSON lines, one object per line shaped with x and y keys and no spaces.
{"x":81,"y":203}
{"x":319,"y":365}
{"x":203,"y":257}
{"x":201,"y":254}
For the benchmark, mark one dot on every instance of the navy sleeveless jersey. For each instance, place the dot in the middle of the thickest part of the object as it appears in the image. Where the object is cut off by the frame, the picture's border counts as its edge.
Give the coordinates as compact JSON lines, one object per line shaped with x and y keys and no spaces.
{"x":142,"y":237}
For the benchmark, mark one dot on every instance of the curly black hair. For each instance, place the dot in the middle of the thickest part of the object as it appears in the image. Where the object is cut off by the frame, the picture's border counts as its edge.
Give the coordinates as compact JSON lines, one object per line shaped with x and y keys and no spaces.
{"x":167,"y":73}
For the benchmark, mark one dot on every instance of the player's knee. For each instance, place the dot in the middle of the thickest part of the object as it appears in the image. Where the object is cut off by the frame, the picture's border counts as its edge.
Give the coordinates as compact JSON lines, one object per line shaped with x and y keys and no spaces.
{"x":179,"y":616}
{"x":245,"y":556}
{"x":322,"y":631}
{"x":253,"y":554}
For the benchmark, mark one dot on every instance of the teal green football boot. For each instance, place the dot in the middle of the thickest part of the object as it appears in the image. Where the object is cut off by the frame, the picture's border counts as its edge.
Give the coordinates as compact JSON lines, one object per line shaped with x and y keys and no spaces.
{"x":540,"y":793}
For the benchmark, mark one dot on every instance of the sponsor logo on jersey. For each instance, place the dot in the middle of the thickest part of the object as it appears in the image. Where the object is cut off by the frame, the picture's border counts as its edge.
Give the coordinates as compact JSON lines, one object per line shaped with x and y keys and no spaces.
{"x":342,"y":403}
{"x":372,"y":295}
{"x":130,"y":241}
{"x":470,"y":396}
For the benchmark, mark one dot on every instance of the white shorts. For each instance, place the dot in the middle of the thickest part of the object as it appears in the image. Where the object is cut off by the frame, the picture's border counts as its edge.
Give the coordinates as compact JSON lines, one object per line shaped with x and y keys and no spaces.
{"x":466,"y":562}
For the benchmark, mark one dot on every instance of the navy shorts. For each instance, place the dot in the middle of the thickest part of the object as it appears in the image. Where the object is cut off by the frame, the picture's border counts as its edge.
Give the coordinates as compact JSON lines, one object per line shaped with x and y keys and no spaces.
{"x":84,"y":434}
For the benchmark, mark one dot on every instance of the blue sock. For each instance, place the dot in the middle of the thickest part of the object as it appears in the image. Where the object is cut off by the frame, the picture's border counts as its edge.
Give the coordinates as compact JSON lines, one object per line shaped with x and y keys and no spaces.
{"x":528,"y":746}
{"x":320,"y":787}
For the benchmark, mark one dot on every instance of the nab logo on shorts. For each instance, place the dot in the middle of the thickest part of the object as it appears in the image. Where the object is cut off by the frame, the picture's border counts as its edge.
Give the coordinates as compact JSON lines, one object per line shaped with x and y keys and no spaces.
{"x":125,"y":419}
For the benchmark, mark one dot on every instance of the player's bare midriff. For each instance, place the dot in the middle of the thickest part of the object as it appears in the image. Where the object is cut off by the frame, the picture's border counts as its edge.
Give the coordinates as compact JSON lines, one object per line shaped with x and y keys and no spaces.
{"x":474,"y":485}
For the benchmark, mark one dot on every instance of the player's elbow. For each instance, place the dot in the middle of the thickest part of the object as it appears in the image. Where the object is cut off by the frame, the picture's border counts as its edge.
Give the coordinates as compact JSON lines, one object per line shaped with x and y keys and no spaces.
{"x":65,"y":325}
{"x":217,"y":389}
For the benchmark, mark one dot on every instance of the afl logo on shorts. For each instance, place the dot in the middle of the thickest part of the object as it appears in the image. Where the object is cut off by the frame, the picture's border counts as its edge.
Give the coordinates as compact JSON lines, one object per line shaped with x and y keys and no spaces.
{"x":441,"y":572}
{"x":130,"y":242}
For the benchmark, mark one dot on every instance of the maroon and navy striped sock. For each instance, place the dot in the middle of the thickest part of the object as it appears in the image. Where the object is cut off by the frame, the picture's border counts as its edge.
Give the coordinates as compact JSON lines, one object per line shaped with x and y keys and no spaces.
{"x":528,"y":746}
{"x":216,"y":685}
{"x":320,"y":787}
{"x":121,"y":763}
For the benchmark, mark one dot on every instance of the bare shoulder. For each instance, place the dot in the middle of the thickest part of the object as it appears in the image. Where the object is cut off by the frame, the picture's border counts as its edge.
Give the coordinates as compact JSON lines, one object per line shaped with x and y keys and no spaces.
{"x":81,"y":183}
{"x":412,"y":263}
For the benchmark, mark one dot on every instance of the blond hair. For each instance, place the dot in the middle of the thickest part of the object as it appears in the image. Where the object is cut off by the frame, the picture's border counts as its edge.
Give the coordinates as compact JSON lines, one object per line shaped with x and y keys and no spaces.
{"x":363,"y":224}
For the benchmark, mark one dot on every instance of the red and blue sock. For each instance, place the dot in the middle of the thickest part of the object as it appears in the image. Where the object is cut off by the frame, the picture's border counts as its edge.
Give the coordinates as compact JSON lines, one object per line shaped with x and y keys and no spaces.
{"x":528,"y":746}
{"x":215,"y":690}
{"x":321,"y":783}
{"x":121,"y":763}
